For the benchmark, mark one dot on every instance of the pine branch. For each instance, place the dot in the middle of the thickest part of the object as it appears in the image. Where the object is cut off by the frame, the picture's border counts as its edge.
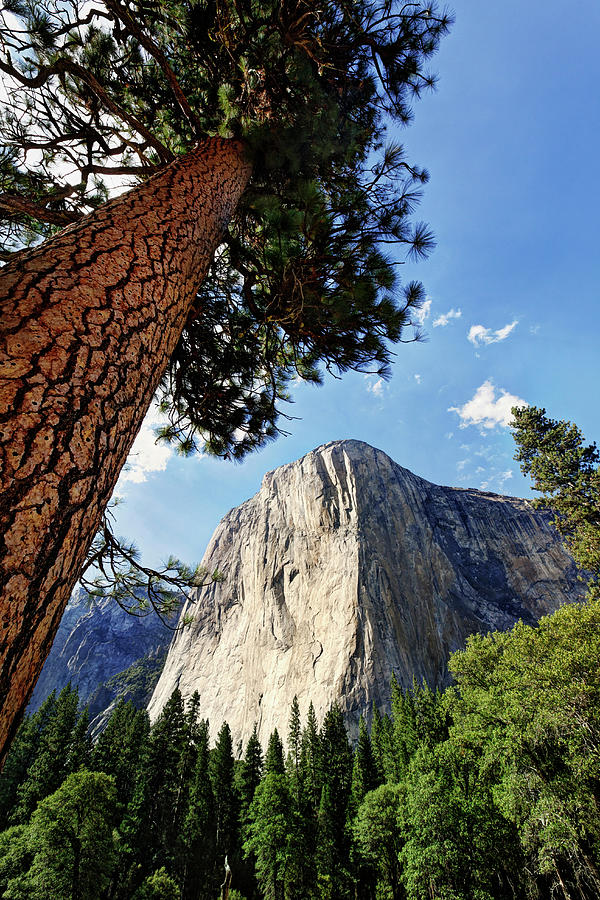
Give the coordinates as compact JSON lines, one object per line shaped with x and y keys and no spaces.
{"x":64,"y":66}
{"x":16,"y":204}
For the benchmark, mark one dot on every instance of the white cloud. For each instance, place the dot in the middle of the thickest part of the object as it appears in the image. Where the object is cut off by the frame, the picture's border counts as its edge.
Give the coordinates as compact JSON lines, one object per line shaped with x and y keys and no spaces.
{"x":535,"y":329}
{"x":421,"y":314}
{"x":449,"y":435}
{"x":462,"y":463}
{"x":443,"y":320}
{"x":484,"y":486}
{"x":486,"y":409}
{"x":418,"y":379}
{"x":146,"y":456}
{"x":505,"y":476}
{"x":376,"y":387}
{"x":478,"y":334}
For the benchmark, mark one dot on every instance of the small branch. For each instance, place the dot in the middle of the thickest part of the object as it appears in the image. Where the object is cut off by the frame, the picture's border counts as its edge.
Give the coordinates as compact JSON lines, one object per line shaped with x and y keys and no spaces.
{"x":16,"y":203}
{"x":154,"y":50}
{"x":66,"y":66}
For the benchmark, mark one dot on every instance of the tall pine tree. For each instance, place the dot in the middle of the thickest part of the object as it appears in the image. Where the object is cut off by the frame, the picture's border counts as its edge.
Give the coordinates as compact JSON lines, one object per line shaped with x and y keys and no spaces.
{"x":256,"y":127}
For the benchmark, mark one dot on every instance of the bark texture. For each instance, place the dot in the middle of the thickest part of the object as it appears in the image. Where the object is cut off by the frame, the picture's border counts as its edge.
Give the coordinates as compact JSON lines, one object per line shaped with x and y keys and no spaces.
{"x":88,"y":322}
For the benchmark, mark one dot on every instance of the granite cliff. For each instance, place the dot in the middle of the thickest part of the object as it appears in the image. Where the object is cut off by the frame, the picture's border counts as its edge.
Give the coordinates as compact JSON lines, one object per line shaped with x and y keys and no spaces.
{"x":344,"y":568}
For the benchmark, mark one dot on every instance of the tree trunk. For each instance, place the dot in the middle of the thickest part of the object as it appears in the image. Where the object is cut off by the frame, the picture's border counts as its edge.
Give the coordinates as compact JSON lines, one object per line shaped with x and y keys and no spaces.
{"x":89,"y":321}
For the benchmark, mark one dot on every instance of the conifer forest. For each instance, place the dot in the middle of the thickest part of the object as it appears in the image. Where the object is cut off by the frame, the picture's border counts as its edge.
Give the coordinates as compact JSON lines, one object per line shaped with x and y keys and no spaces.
{"x":487,"y":790}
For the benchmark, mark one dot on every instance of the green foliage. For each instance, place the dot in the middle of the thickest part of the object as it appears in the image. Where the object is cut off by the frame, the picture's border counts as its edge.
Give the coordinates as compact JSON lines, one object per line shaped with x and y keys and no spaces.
{"x":158,"y":886}
{"x":199,"y":826}
{"x":251,"y":772}
{"x":365,"y":775}
{"x":528,"y":703}
{"x":301,"y":282}
{"x":21,"y":756}
{"x":226,"y":802}
{"x":268,"y":833}
{"x":566,"y":472}
{"x":70,"y":837}
{"x":274,"y":764}
{"x":378,"y":834}
{"x":62,"y":749}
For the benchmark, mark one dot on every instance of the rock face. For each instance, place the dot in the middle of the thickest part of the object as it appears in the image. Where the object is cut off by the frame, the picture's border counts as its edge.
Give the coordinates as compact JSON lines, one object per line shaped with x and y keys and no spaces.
{"x":345,"y":568}
{"x":93,"y":644}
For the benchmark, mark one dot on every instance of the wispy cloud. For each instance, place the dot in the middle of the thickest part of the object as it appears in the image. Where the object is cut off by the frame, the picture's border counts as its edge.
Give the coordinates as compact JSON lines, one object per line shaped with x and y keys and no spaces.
{"x":423,"y":313}
{"x":479,"y":335}
{"x":146,"y":456}
{"x":486,"y":409}
{"x":443,"y":320}
{"x":418,"y":378}
{"x":375,"y":387}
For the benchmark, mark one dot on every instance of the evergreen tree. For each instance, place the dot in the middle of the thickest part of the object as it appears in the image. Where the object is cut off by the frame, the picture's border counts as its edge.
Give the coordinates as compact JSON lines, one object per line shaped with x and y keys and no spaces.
{"x":274,"y":763}
{"x":60,"y":750}
{"x":226,"y":804}
{"x":264,"y":121}
{"x":152,"y":824}
{"x":294,"y":738}
{"x":336,"y":775}
{"x":251,"y":772}
{"x":365,"y":776}
{"x":418,"y":719}
{"x":199,"y":828}
{"x":376,"y":741}
{"x":566,"y":472}
{"x":268,"y":835}
{"x":310,"y":760}
{"x":120,"y":747}
{"x":21,"y":757}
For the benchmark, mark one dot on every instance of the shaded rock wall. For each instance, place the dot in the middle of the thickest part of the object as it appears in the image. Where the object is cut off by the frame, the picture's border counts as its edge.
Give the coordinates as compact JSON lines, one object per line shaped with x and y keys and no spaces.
{"x":94,"y":642}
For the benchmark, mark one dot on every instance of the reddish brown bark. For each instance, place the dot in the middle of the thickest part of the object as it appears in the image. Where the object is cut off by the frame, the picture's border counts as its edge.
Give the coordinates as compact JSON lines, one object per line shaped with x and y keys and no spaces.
{"x":88,"y":322}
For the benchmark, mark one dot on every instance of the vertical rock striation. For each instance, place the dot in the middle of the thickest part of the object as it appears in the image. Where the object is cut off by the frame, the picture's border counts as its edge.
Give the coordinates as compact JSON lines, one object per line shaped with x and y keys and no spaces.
{"x":345,"y":568}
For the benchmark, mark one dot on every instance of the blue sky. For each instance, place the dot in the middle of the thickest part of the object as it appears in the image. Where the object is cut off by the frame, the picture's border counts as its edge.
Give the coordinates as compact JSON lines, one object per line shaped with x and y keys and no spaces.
{"x":511,"y":139}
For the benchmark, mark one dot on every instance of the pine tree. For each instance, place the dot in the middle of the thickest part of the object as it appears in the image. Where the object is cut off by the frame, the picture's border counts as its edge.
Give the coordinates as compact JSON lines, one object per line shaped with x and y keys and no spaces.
{"x":56,"y":757}
{"x":251,"y":772}
{"x":21,"y":757}
{"x":274,"y":762}
{"x":294,"y":738}
{"x":255,"y":127}
{"x":336,"y":776}
{"x":365,"y":776}
{"x":120,"y":747}
{"x":226,"y":804}
{"x":310,"y":760}
{"x":152,"y":823}
{"x":378,"y":742}
{"x":566,"y":472}
{"x":199,"y":828}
